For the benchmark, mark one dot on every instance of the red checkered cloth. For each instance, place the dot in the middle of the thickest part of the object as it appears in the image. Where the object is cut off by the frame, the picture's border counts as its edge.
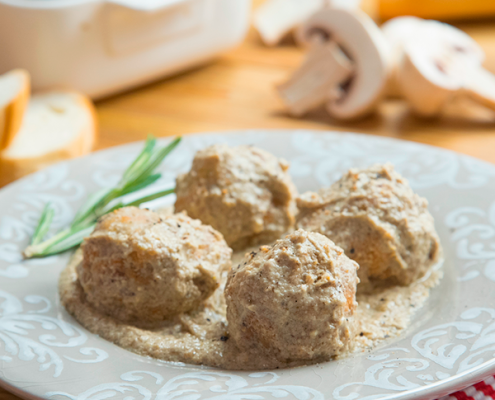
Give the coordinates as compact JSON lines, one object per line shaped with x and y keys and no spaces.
{"x":481,"y":391}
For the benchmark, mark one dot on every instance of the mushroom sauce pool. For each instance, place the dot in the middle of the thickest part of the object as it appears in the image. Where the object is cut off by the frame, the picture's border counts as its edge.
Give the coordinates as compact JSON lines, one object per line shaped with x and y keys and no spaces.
{"x":250,"y":275}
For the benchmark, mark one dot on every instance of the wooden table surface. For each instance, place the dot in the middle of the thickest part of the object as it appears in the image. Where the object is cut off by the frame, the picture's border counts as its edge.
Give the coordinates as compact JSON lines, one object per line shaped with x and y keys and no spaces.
{"x":236,"y":91}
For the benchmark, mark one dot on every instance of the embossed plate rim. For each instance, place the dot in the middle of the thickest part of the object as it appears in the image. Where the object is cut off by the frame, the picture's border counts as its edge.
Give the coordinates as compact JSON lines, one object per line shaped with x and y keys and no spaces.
{"x":131,"y":378}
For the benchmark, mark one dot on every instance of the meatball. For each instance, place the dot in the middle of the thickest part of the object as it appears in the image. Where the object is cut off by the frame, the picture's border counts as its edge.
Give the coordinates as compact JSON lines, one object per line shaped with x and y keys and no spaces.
{"x":378,"y":220}
{"x":293,"y":301}
{"x":243,"y":192}
{"x":143,"y":268}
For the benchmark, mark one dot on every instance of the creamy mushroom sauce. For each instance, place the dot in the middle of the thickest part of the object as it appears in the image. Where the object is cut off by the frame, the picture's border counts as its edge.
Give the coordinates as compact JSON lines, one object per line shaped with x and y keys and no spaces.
{"x":201,"y":337}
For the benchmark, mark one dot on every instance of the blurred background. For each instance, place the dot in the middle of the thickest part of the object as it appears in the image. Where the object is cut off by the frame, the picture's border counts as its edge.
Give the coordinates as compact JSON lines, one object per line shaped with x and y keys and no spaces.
{"x":78,"y":76}
{"x":174,"y":67}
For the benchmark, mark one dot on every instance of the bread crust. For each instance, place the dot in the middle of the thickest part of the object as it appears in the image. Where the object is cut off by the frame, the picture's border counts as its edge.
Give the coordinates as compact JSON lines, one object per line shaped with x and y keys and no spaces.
{"x":12,"y":167}
{"x":13,"y":113}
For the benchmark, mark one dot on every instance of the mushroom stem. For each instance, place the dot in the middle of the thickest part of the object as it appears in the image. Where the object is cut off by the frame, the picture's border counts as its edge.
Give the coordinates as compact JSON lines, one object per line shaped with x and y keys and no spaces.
{"x":318,"y":78}
{"x":480,"y":86}
{"x":363,"y":43}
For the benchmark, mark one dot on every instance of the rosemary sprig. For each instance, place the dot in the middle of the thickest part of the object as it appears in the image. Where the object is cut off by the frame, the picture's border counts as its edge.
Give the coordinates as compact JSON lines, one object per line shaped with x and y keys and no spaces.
{"x":139,"y":175}
{"x":43,"y":224}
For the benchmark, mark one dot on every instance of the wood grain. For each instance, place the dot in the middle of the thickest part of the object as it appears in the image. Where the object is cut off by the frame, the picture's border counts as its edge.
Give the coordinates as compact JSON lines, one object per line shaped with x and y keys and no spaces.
{"x":236,"y":91}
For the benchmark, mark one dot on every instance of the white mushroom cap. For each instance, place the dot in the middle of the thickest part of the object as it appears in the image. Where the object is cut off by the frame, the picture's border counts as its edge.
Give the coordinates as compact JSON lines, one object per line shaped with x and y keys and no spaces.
{"x":363,"y":42}
{"x":397,"y":31}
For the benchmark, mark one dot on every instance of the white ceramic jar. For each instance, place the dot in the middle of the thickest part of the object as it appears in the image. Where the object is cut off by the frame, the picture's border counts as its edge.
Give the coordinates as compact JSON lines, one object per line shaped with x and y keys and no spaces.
{"x":104,"y":46}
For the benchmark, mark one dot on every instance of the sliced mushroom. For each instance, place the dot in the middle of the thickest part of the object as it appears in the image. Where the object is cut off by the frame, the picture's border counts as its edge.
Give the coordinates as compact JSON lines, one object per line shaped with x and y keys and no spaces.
{"x":402,"y":30}
{"x":431,"y":75}
{"x":275,"y":19}
{"x":363,"y":43}
{"x":318,"y":78}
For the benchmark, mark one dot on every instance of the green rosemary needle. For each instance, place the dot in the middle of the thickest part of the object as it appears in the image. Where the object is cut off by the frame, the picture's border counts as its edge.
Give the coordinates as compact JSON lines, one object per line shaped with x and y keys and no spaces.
{"x":139,"y":175}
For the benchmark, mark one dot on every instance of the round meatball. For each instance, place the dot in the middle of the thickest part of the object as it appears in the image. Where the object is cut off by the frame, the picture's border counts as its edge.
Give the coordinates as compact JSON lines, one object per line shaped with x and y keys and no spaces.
{"x":243,"y":192}
{"x":143,"y":268}
{"x":293,"y":301}
{"x":378,"y":220}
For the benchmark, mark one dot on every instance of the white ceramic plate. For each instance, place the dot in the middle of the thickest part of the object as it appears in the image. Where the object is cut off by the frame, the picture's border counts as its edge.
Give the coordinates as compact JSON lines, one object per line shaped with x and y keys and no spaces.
{"x":451,"y":344}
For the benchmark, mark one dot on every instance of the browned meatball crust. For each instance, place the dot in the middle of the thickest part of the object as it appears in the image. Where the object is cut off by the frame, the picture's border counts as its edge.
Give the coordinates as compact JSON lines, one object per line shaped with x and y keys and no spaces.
{"x":293,"y":301}
{"x":378,"y":220}
{"x":143,"y":268}
{"x":243,"y":192}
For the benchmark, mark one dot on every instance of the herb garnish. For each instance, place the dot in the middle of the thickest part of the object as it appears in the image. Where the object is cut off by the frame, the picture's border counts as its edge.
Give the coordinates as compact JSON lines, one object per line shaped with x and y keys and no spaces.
{"x":139,"y":175}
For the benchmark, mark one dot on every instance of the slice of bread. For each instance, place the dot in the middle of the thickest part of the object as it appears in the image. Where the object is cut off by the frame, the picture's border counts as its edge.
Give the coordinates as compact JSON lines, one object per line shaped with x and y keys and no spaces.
{"x":15,"y":87}
{"x":56,"y":126}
